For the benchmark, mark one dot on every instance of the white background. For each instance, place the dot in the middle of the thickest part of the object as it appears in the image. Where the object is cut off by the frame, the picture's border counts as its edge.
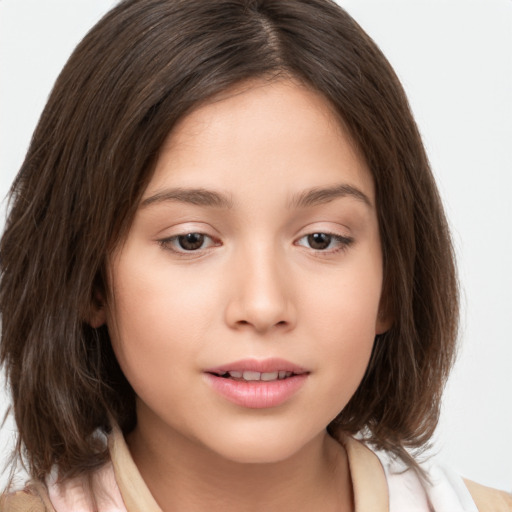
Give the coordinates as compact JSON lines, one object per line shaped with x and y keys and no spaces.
{"x":454,"y":59}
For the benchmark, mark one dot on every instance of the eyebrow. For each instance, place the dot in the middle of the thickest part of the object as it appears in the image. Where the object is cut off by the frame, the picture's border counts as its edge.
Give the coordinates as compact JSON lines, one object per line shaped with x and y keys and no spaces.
{"x":195,"y":196}
{"x":203,"y":197}
{"x":317,"y":196}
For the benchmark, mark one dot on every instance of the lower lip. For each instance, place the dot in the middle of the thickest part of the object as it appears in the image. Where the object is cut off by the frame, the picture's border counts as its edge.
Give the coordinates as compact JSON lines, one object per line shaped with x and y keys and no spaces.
{"x":257,"y":394}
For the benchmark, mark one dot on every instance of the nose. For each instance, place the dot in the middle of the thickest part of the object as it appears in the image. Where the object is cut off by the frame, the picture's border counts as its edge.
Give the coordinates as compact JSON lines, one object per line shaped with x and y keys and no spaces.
{"x":261,"y":296}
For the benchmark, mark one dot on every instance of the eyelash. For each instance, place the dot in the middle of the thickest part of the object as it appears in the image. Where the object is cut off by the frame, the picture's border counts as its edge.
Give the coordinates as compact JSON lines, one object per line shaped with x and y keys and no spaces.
{"x":343,"y":244}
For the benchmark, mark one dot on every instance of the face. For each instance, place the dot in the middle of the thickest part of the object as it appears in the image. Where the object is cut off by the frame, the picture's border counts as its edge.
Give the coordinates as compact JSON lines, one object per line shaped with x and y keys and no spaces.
{"x":245,"y":298}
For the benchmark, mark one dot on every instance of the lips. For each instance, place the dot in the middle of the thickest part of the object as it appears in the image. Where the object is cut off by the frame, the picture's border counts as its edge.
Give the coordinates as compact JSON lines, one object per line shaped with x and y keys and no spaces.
{"x":255,"y":376}
{"x":257,"y":384}
{"x":271,"y":365}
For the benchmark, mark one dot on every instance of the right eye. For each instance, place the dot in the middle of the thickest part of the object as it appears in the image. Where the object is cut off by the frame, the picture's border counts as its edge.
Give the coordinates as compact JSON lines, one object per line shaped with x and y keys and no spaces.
{"x":187,"y":242}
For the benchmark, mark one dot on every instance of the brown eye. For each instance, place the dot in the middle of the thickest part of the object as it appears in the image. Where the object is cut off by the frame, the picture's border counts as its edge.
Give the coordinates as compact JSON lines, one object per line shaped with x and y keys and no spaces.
{"x":191,"y":241}
{"x":189,"y":244}
{"x":319,"y":241}
{"x":327,"y":243}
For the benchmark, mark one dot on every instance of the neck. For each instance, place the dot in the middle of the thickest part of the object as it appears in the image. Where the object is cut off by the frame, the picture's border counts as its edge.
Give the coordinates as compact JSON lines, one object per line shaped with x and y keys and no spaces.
{"x":183,"y":475}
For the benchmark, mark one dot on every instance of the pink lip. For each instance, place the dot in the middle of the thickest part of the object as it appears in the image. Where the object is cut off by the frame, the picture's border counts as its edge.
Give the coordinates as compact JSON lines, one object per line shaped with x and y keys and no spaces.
{"x":257,"y":394}
{"x":256,"y":365}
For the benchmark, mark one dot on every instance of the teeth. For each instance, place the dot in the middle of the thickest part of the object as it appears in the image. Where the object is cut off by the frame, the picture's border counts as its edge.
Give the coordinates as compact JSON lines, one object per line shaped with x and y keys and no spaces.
{"x":252,"y":376}
{"x":266,"y":376}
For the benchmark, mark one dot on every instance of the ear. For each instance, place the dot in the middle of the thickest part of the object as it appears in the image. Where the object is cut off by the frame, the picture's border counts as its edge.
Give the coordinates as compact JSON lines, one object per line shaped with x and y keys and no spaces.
{"x":385,"y":316}
{"x":384,"y":322}
{"x":97,"y":315}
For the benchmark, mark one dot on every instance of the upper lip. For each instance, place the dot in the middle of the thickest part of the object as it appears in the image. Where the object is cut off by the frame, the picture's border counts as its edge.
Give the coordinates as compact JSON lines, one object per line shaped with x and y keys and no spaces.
{"x":258,"y":365}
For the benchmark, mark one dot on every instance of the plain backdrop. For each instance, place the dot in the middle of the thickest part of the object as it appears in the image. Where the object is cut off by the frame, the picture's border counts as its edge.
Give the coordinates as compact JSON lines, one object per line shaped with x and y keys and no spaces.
{"x":454,"y":59}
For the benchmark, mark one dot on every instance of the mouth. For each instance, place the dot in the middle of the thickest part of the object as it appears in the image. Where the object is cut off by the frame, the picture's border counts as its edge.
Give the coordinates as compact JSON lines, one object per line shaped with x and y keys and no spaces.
{"x":257,"y":384}
{"x":252,"y":370}
{"x":252,"y":376}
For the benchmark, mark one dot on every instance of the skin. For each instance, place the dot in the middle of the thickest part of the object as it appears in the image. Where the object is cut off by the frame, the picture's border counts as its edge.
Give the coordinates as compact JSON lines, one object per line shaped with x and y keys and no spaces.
{"x":256,"y":288}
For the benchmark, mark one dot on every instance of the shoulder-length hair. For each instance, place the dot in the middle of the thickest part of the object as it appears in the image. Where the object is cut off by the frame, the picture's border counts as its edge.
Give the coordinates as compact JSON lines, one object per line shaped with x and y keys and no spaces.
{"x":139,"y":70}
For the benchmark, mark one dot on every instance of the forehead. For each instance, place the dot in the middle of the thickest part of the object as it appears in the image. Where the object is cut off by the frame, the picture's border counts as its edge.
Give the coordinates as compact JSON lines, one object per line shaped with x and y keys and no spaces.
{"x":278,"y":133}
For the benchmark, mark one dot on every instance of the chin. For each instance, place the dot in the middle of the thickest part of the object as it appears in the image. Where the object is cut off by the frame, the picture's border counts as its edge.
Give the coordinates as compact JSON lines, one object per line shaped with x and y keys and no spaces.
{"x":261,"y":447}
{"x":256,"y":454}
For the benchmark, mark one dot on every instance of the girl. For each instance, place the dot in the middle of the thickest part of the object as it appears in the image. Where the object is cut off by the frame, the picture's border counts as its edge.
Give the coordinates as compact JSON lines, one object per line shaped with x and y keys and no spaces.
{"x":225,"y":257}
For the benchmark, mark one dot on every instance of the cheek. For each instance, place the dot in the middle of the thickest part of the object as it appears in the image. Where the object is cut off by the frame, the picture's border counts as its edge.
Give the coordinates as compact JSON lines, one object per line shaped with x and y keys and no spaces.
{"x":157,"y":318}
{"x":155,"y":297}
{"x":346,"y":301}
{"x":343,"y":325}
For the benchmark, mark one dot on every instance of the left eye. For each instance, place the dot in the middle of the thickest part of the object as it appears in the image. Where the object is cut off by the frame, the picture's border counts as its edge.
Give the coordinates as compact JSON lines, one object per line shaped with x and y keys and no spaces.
{"x":188,"y":242}
{"x":324,"y":241}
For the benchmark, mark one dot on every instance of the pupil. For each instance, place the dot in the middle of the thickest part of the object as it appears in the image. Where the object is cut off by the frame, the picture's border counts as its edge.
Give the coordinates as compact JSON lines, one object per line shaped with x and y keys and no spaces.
{"x":191,"y":241}
{"x":319,"y":241}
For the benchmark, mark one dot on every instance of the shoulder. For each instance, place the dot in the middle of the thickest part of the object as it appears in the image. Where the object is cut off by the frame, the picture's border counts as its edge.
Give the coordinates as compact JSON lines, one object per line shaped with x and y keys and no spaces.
{"x":94,"y":492}
{"x":34,"y":498}
{"x":488,"y":499}
{"x":442,"y":490}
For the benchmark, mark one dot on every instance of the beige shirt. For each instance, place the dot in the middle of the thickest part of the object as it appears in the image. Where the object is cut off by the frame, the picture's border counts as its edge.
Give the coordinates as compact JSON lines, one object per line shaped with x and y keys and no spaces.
{"x":124,"y":490}
{"x":380,"y":484}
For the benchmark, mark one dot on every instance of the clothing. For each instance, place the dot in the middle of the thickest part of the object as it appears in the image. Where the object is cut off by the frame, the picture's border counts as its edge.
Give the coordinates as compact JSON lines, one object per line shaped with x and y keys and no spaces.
{"x":380,"y":484}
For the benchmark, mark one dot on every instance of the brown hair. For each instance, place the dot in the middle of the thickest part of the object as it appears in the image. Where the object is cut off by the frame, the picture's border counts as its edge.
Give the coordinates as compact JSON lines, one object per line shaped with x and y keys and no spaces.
{"x":138,"y":71}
